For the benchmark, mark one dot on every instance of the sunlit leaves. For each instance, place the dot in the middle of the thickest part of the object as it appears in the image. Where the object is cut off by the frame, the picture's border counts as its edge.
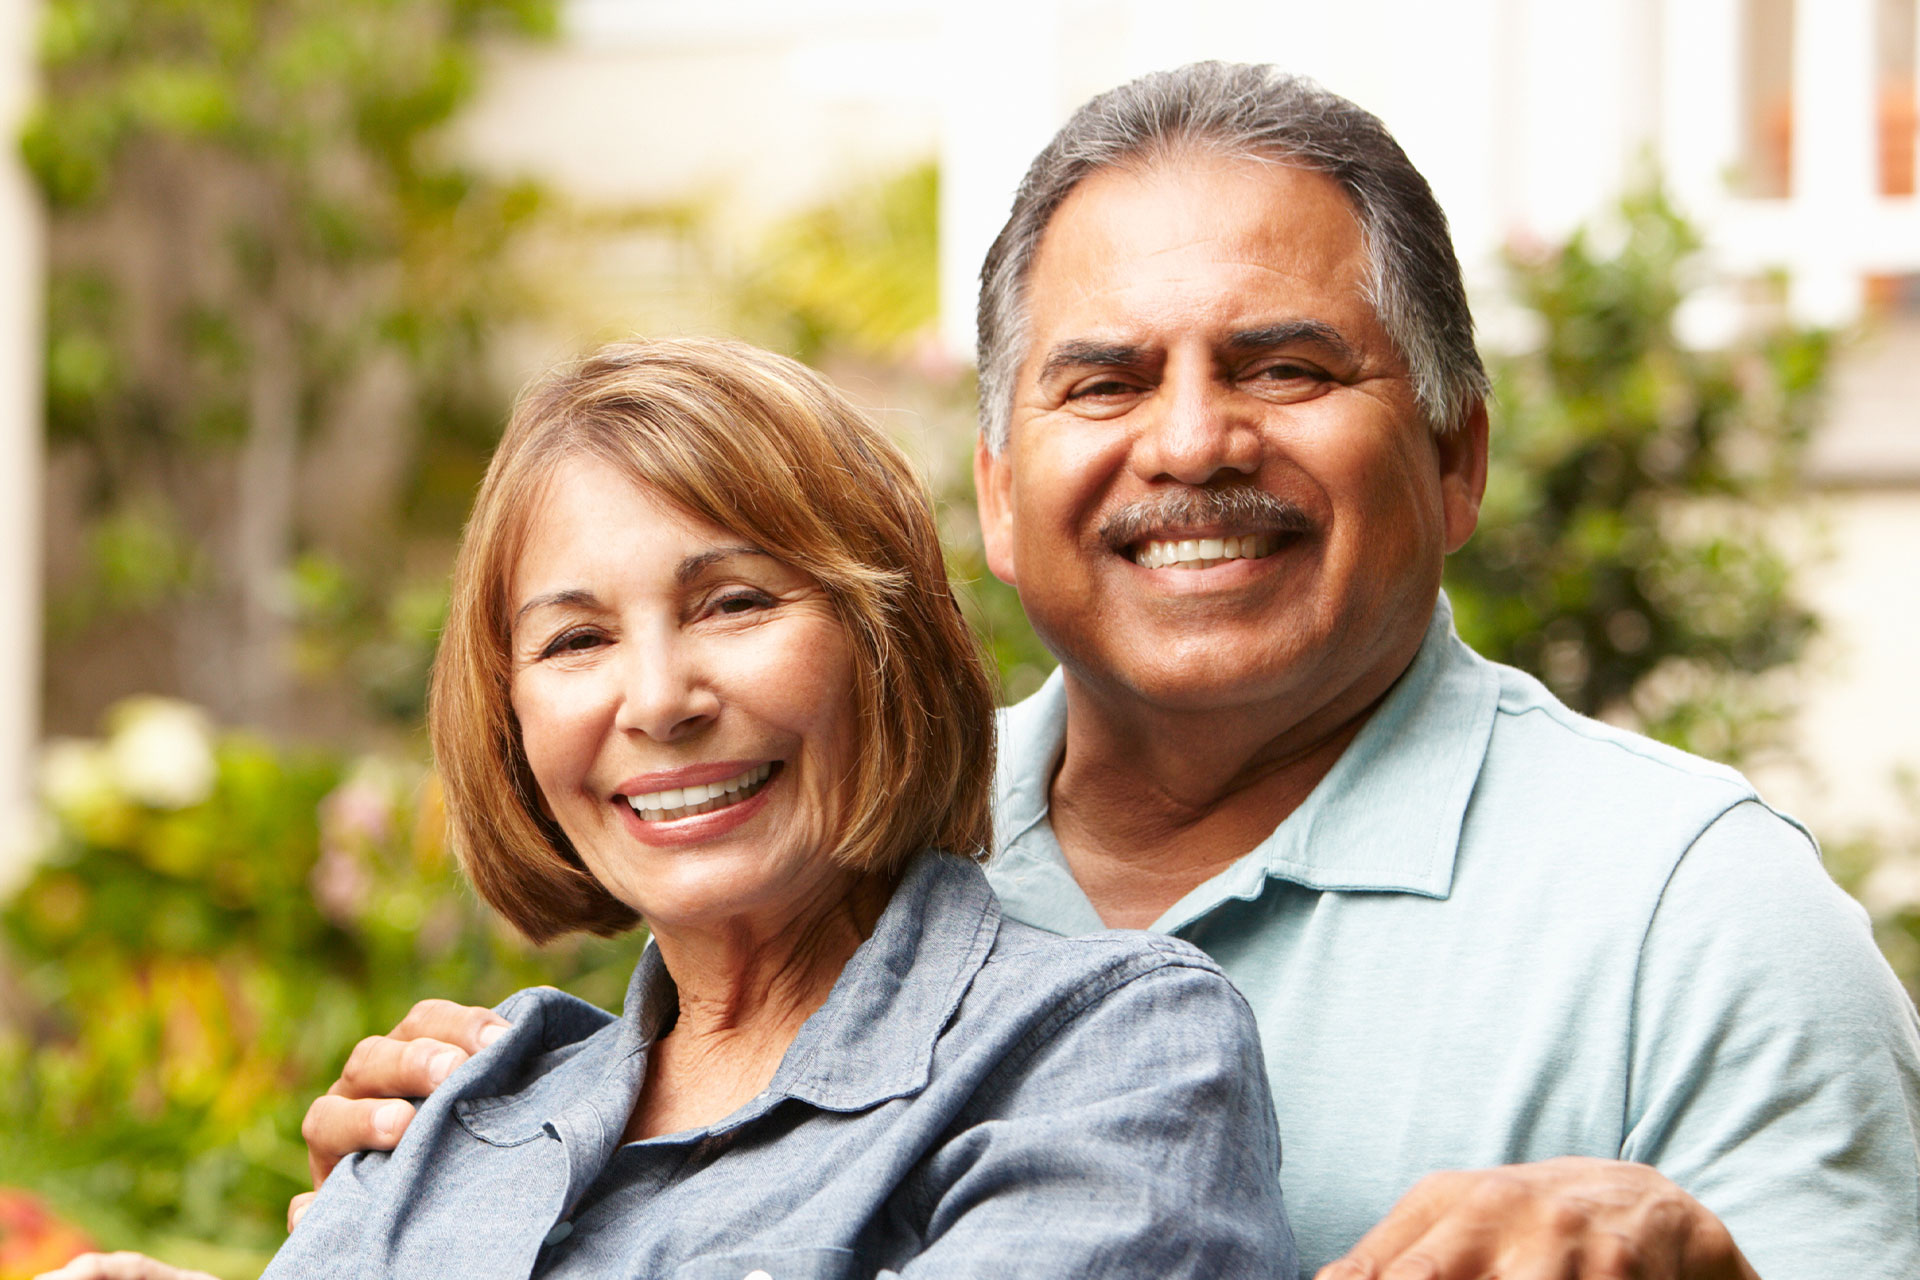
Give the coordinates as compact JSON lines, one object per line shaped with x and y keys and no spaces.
{"x":1624,"y":553}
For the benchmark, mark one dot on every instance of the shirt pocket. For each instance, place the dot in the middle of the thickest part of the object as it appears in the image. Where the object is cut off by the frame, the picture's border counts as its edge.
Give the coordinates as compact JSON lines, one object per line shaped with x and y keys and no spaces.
{"x":773,"y":1264}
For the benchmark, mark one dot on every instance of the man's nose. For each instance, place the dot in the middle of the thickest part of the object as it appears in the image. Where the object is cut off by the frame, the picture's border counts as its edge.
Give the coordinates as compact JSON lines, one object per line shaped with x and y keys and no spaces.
{"x":665,"y":691}
{"x":1197,"y":429}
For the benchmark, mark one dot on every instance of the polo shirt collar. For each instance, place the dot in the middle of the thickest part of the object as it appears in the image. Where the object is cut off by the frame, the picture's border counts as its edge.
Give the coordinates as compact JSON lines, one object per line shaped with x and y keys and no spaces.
{"x":872,"y":1040}
{"x":1386,"y":818}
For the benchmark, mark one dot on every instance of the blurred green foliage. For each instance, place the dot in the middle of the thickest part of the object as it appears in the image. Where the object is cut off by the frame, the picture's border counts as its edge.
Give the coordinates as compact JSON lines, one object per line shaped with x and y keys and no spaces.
{"x":859,"y":272}
{"x":262,"y":252}
{"x":215,"y":923}
{"x":1625,"y":553}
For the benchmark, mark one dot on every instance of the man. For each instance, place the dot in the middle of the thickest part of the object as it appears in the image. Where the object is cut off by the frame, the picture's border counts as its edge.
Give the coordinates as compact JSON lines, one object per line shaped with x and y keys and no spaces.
{"x":1233,"y":421}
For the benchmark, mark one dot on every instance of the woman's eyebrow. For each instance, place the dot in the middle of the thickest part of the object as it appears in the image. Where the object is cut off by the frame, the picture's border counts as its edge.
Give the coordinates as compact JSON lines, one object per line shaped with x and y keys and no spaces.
{"x":694,"y":565}
{"x":574,"y":597}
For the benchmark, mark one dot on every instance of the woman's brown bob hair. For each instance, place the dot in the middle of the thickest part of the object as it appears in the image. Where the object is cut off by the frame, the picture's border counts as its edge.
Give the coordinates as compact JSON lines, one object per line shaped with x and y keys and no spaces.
{"x":764,"y":448}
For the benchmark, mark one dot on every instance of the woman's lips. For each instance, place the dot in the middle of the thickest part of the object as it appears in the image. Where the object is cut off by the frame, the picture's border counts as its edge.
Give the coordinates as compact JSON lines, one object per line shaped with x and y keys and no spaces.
{"x":669,"y":803}
{"x":711,"y":820}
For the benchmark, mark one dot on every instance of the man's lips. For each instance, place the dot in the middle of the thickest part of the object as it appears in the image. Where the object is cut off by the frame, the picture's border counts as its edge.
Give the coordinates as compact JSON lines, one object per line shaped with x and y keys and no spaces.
{"x":1199,"y":528}
{"x":1203,"y":552}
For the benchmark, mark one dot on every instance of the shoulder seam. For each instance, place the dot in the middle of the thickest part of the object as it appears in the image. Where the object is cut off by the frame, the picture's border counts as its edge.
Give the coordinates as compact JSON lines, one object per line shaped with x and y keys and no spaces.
{"x":1712,"y":772}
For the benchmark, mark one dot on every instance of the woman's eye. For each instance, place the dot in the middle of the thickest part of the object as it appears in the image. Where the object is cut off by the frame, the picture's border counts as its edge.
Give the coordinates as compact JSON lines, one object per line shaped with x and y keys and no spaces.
{"x":575,"y":641}
{"x":736,"y":602}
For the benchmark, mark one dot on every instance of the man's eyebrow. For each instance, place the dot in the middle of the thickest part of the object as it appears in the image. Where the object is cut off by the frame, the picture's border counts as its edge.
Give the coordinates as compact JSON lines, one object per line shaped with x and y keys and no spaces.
{"x":695,"y":565}
{"x":1078,"y":354}
{"x":1314,"y":333}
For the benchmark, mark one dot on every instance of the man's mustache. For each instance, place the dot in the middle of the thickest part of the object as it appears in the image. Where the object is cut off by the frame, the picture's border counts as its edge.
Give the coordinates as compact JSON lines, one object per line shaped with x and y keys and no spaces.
{"x":1239,"y":511}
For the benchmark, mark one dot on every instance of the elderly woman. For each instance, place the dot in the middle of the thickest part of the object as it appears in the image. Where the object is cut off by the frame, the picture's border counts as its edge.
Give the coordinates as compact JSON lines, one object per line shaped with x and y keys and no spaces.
{"x":704,"y":672}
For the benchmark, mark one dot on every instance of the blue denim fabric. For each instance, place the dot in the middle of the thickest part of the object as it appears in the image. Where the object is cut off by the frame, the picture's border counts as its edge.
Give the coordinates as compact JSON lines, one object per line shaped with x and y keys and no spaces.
{"x":976,"y":1098}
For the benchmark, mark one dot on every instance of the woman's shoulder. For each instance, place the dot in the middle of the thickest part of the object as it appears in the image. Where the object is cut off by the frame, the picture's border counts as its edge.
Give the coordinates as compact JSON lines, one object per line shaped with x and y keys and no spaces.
{"x":1117,"y":975}
{"x":1128,"y":951}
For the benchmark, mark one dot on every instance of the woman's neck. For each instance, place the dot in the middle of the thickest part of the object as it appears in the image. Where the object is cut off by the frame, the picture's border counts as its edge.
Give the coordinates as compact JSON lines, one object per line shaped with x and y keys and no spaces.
{"x":745,"y":988}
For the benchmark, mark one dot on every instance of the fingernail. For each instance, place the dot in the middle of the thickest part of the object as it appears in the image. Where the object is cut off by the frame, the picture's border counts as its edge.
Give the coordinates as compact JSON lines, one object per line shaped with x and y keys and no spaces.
{"x":441,"y":1065}
{"x":388,"y":1120}
{"x":293,"y":1218}
{"x":491,"y":1032}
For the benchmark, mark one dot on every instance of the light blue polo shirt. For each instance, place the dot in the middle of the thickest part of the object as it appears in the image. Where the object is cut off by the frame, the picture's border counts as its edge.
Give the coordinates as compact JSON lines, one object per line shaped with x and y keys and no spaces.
{"x":1498,"y":931}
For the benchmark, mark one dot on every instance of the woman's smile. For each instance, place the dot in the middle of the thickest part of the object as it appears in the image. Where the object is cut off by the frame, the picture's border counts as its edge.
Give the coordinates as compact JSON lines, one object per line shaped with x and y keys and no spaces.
{"x":698,"y":812}
{"x":686,"y":704}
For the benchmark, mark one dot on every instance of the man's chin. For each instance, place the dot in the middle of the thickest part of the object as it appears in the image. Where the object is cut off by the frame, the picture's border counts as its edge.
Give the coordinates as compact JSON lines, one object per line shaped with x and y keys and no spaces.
{"x":1213,"y":676}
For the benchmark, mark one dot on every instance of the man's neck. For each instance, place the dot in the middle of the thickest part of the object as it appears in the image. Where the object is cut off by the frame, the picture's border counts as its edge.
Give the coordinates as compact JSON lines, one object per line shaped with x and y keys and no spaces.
{"x":1149,"y":806}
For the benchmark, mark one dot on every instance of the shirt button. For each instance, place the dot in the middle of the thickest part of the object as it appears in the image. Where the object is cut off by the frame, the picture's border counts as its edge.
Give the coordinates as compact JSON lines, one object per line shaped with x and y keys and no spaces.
{"x":756,"y":1275}
{"x":561,"y":1230}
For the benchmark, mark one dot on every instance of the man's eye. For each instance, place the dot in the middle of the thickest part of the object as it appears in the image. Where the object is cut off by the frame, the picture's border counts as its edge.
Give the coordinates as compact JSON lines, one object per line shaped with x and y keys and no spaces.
{"x":1288,"y":372}
{"x":1097,"y":390}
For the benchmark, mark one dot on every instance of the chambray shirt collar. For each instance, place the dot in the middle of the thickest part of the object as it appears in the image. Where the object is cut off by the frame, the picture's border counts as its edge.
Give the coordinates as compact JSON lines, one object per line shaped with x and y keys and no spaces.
{"x":1386,"y":818}
{"x":871,"y":1041}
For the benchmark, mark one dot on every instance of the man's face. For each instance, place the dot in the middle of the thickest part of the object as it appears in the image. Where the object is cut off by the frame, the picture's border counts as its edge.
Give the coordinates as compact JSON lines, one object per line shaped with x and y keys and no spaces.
{"x":1203,"y":364}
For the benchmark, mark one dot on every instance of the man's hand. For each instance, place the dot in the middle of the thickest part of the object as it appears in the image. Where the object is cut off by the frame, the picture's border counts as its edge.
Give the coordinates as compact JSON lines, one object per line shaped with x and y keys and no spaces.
{"x":1565,"y":1219}
{"x":365,"y":1109}
{"x":120,"y":1266}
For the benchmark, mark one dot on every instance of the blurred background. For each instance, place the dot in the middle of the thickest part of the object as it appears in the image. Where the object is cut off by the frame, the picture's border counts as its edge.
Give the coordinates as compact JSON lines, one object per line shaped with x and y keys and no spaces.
{"x":272,"y":270}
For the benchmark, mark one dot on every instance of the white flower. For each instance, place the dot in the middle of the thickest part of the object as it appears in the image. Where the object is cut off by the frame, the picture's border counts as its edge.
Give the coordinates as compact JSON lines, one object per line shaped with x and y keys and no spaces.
{"x":25,"y":836}
{"x":162,"y":752}
{"x":75,"y":776}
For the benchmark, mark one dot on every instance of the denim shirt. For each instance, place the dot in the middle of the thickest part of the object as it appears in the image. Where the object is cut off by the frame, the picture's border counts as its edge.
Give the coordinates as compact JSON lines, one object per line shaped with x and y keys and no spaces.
{"x":975,"y":1098}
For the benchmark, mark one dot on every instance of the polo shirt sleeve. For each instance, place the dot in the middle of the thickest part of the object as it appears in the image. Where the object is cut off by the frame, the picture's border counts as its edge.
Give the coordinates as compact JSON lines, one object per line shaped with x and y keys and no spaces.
{"x":1775,"y":1065}
{"x":1131,"y":1136}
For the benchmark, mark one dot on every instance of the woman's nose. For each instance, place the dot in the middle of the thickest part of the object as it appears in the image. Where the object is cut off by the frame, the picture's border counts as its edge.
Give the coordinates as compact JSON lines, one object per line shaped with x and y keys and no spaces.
{"x":664,"y":691}
{"x":1196,"y":430}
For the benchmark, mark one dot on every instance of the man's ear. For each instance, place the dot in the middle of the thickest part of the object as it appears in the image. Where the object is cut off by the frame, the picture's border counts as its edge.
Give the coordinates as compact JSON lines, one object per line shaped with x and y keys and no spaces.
{"x":993,"y":493}
{"x":1463,"y":474}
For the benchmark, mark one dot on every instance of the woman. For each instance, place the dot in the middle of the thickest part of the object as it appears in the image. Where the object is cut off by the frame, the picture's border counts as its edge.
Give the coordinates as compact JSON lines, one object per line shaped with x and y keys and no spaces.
{"x":703,"y":671}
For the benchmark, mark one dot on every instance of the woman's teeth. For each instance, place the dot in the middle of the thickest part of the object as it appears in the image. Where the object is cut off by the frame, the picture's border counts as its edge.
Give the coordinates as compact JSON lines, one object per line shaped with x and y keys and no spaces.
{"x":684,"y":802}
{"x":1204,"y":553}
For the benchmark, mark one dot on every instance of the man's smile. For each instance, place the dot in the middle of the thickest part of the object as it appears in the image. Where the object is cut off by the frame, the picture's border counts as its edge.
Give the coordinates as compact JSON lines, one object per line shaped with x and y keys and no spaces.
{"x":1203,"y":553}
{"x":1201,"y":528}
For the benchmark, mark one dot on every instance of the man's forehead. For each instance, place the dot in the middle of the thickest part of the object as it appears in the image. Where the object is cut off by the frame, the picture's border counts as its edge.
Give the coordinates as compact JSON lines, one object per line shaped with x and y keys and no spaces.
{"x":1224,"y":247}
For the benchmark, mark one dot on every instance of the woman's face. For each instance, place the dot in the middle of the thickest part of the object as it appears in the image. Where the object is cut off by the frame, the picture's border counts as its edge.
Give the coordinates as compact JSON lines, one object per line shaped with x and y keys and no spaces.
{"x":686,"y":705}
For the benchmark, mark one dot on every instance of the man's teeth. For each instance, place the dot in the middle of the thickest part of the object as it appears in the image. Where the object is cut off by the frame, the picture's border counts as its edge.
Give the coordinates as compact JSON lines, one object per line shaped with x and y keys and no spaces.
{"x":1204,"y":553}
{"x":684,"y":802}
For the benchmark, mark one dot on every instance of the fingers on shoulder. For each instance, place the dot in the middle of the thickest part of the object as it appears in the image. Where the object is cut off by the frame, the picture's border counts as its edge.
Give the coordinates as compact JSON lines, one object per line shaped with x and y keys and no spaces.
{"x":468,"y":1026}
{"x":336,"y":1127}
{"x":391,"y":1067}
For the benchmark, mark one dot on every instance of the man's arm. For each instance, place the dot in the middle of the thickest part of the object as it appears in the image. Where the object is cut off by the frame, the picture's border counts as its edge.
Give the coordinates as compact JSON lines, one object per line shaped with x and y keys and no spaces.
{"x":1573,"y":1217}
{"x":367,"y":1107}
{"x":1774,"y":1103}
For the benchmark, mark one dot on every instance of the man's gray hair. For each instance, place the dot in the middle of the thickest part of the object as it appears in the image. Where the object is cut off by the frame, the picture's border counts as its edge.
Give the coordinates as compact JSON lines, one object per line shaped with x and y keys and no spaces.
{"x":1253,"y":112}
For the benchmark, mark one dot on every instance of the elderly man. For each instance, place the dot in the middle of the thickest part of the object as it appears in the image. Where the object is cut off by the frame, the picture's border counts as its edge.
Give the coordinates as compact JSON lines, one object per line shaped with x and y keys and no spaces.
{"x":1233,"y":421}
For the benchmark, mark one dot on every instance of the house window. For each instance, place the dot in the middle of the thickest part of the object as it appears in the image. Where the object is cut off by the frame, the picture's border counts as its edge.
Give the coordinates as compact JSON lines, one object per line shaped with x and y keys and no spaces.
{"x":1894,"y":102}
{"x":1766,"y":169}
